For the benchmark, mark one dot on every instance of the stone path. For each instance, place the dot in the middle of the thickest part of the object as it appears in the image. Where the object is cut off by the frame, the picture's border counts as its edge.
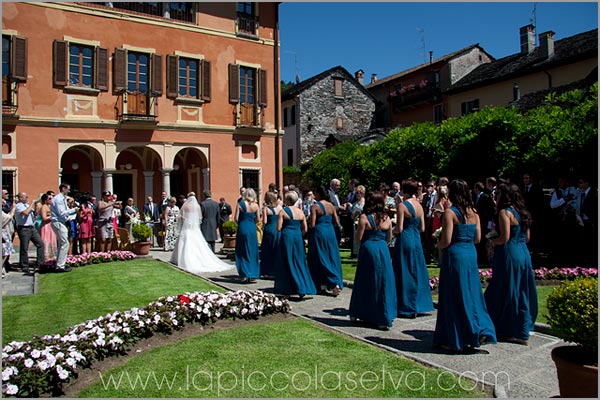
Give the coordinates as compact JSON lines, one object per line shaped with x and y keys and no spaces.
{"x":511,"y":370}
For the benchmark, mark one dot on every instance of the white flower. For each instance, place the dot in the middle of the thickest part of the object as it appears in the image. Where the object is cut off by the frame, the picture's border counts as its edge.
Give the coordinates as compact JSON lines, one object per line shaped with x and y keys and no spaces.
{"x":12,"y":389}
{"x":43,"y":365}
{"x":8,"y":348}
{"x":29,"y":363}
{"x":71,"y":362}
{"x":62,"y":373}
{"x":36,"y":353}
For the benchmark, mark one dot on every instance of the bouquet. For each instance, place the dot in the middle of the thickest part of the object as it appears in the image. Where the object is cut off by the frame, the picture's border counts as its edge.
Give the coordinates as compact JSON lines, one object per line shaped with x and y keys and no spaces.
{"x":491,"y":235}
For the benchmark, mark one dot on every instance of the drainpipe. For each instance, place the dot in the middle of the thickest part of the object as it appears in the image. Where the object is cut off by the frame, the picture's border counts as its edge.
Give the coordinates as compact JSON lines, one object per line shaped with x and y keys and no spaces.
{"x":277,"y":100}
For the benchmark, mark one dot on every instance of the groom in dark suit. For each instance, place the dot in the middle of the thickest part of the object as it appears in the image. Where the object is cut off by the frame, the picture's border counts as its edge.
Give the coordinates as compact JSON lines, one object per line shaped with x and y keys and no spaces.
{"x":210,"y":219}
{"x":151,"y":209}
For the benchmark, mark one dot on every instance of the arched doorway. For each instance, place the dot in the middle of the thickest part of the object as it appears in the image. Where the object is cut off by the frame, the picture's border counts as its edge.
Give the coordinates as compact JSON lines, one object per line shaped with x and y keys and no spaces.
{"x":137,"y":174}
{"x":81,"y":168}
{"x":189,"y":169}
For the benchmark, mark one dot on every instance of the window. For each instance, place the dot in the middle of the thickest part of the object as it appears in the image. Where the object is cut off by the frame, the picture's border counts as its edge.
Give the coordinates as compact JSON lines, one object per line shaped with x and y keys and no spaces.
{"x":250,"y":178}
{"x":469,"y":107}
{"x":81,"y":59}
{"x":293,"y":115}
{"x":14,"y":67}
{"x":188,"y":78}
{"x":338,"y":86}
{"x":285,"y":117}
{"x":339,"y":123}
{"x":80,"y":66}
{"x":247,"y":20}
{"x":290,"y":157}
{"x":138,"y":77}
{"x":438,"y":113}
{"x":247,"y":89}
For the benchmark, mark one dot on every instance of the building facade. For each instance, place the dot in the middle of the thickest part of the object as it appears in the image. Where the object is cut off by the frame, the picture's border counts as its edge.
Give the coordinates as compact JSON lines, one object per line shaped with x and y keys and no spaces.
{"x":332,"y":105}
{"x":533,"y":69}
{"x":140,"y":98}
{"x":415,"y":95}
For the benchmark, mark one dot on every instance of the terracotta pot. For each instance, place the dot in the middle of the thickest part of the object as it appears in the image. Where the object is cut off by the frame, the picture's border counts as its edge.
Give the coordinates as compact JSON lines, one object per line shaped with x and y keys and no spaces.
{"x":229,"y":242}
{"x":575,"y":377}
{"x":141,"y":248}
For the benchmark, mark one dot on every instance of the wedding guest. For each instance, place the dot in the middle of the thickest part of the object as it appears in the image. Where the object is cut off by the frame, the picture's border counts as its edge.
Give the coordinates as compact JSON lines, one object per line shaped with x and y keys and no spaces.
{"x":324,"y":261}
{"x":46,"y":233}
{"x":225,"y":212}
{"x":170,"y":216}
{"x":7,"y":231}
{"x":373,"y":297}
{"x":86,"y":227}
{"x":72,"y":227}
{"x":355,"y":212}
{"x":105,"y":220}
{"x":410,"y":269}
{"x":131,"y":214}
{"x":270,"y":240}
{"x":25,"y":217}
{"x":511,"y":296}
{"x":246,"y":243}
{"x":291,"y":273}
{"x":61,"y":215}
{"x":463,"y":322}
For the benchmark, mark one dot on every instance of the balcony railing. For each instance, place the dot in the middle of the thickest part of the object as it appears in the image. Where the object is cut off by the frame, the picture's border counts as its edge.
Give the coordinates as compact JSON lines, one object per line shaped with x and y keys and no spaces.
{"x":181,"y":11}
{"x":247,"y":24}
{"x":136,"y":107}
{"x":415,"y":94}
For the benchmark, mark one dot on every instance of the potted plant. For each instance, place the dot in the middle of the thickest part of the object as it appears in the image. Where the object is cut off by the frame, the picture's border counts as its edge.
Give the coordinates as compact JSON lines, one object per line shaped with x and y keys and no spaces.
{"x":573,"y":316}
{"x":142,"y":234}
{"x":230,"y":229}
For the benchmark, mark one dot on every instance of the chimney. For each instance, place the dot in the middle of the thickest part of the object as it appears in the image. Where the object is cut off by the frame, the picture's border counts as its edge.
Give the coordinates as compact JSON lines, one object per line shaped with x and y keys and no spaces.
{"x":547,"y":44}
{"x":373,"y":78}
{"x":360,"y":76}
{"x":527,"y":34}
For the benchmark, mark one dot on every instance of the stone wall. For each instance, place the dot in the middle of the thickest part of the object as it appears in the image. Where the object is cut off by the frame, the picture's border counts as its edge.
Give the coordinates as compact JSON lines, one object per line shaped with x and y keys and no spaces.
{"x":319,"y":110}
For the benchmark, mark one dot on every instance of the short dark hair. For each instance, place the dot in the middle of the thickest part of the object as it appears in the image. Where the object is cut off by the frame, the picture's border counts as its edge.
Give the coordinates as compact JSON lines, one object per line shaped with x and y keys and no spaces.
{"x":63,"y":185}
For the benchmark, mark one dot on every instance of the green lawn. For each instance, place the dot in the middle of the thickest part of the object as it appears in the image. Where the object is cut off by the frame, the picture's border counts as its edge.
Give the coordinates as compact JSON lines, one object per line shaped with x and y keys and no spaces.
{"x":89,"y":292}
{"x":286,"y":353}
{"x":277,"y":359}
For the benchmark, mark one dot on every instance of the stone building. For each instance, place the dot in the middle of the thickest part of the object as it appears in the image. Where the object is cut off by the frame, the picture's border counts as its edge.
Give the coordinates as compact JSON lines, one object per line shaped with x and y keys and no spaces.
{"x":332,"y":104}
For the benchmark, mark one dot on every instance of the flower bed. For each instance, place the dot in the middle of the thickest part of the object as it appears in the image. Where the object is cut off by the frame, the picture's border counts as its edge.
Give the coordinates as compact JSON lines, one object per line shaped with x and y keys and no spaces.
{"x":90,"y":258}
{"x":42,"y":365}
{"x":559,"y":274}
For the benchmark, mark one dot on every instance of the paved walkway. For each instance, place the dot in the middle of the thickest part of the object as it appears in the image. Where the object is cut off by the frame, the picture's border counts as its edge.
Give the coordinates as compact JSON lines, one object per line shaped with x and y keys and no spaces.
{"x":512,"y":370}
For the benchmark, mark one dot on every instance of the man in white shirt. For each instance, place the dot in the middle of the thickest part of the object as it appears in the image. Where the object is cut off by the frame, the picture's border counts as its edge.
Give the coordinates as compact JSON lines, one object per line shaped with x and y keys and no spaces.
{"x":25,"y":217}
{"x":60,"y":215}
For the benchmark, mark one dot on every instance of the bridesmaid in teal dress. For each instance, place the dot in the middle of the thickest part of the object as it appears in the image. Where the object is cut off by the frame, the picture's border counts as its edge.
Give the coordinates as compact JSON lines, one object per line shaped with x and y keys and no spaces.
{"x":291,"y":271}
{"x":324,"y":260}
{"x":374,"y":293}
{"x":246,"y":243}
{"x":410,"y":268}
{"x":463,"y":322}
{"x":511,"y":296}
{"x":270,"y":239}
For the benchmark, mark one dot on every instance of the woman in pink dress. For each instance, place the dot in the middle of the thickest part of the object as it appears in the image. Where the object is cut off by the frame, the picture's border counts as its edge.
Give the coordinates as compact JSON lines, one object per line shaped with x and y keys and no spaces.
{"x":86,"y":225}
{"x":46,"y":232}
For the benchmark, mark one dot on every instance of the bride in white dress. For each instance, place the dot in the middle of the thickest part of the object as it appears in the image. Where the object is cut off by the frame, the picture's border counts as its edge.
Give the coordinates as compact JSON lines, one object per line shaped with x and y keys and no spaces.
{"x":192,"y":252}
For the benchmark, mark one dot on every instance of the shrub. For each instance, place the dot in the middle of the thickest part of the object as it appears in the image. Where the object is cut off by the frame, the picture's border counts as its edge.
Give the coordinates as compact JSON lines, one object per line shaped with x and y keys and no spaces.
{"x":230,"y":228}
{"x":573,"y":312}
{"x":141,"y":232}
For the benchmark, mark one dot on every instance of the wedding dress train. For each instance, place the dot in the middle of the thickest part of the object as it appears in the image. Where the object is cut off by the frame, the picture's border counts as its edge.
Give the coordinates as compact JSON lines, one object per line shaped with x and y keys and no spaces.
{"x":192,"y":253}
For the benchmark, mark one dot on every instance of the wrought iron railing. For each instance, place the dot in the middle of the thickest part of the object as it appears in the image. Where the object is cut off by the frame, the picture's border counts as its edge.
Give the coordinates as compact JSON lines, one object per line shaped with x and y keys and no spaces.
{"x":140,"y":107}
{"x":247,"y":24}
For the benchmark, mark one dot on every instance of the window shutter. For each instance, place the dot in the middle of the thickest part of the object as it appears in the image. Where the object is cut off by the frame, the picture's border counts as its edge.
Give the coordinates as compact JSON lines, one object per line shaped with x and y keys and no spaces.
{"x":262,"y":82}
{"x":119,"y":70}
{"x":19,"y":58}
{"x":172,"y":76}
{"x":101,"y":70}
{"x":234,"y":83}
{"x":60,"y":48}
{"x":157,"y":74}
{"x":205,"y":80}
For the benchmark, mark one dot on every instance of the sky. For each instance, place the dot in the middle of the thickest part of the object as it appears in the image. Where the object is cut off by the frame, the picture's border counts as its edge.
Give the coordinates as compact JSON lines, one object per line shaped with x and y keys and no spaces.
{"x":385,"y":38}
